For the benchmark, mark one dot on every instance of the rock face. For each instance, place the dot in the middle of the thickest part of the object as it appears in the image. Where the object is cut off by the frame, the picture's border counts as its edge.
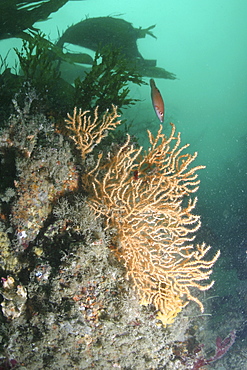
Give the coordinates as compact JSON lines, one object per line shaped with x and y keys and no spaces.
{"x":14,"y":298}
{"x":45,"y":170}
{"x":41,"y":181}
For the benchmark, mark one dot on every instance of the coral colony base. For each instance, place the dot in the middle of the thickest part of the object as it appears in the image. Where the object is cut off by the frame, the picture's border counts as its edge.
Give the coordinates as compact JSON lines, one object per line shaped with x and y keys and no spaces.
{"x":81,"y":229}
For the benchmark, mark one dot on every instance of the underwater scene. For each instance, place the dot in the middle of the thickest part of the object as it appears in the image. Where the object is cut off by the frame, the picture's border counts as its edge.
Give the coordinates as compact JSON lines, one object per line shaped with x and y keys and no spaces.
{"x":123,"y":184}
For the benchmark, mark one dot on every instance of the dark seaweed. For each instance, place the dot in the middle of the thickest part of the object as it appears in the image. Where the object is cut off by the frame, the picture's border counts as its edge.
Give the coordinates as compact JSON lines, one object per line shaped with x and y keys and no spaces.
{"x":18,"y":15}
{"x":107,"y":82}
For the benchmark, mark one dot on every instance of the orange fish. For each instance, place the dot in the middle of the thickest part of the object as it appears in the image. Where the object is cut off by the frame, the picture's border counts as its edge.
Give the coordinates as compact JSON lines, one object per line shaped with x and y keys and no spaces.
{"x":157,"y":101}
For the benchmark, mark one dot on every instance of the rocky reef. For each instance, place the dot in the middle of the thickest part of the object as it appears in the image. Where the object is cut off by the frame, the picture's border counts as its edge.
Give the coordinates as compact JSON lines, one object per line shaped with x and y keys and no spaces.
{"x":66,"y":301}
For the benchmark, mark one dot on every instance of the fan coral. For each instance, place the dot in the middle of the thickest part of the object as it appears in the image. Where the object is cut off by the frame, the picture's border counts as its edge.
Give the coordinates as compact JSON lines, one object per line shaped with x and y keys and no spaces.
{"x":86,"y":133}
{"x":146,"y":198}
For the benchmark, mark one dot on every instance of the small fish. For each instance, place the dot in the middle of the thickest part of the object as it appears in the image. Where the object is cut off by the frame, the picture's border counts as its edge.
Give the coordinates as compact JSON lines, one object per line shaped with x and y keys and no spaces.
{"x":157,"y":101}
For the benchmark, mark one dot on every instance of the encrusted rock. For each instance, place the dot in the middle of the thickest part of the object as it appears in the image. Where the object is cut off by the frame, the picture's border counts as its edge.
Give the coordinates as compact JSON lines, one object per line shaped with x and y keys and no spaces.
{"x":14,"y":298}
